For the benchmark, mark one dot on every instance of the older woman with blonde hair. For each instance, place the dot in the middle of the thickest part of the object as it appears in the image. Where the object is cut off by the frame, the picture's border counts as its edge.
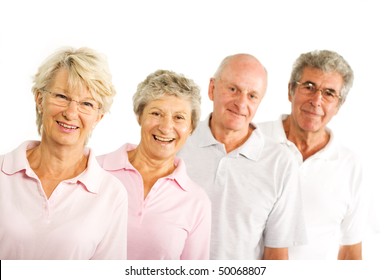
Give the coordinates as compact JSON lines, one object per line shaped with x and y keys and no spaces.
{"x":169,"y":215}
{"x":56,"y":202}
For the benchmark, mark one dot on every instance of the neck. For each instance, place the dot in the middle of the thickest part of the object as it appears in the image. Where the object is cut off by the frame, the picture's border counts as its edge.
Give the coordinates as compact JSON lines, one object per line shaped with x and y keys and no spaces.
{"x":232,"y":139}
{"x":61,"y":163}
{"x":307,"y":142}
{"x":146,"y":164}
{"x":150,"y":169}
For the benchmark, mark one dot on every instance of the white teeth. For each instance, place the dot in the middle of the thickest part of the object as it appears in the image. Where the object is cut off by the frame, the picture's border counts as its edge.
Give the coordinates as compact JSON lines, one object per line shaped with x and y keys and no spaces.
{"x":163,"y":139}
{"x":67,"y":126}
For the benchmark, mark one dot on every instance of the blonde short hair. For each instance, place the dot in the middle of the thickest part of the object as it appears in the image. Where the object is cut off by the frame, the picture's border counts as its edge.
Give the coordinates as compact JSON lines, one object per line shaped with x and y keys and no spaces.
{"x":85,"y":67}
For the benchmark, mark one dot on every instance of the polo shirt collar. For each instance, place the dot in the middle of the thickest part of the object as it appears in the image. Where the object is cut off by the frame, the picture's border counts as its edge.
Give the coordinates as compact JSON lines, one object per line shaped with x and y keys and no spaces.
{"x":91,"y":177}
{"x":118,"y":160}
{"x":251,"y":149}
{"x":16,"y":161}
{"x":204,"y":135}
{"x":179,"y":175}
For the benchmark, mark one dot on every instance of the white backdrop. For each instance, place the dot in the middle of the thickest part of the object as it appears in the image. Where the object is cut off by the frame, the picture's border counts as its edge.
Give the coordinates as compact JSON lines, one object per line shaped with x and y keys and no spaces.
{"x":192,"y":37}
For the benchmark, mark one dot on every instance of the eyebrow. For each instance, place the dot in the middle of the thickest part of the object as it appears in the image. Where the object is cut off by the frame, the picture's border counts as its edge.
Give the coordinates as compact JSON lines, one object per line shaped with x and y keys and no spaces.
{"x":64,"y":91}
{"x":251,"y":91}
{"x":159,"y":109}
{"x":310,"y":82}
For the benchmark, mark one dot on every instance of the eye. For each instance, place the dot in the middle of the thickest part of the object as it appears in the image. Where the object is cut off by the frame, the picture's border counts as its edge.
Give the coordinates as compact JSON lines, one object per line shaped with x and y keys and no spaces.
{"x":179,"y":117}
{"x":330,"y":93}
{"x":232,"y":89}
{"x":309,"y":86}
{"x":252,"y":96}
{"x":154,"y":113}
{"x":60,"y":96}
{"x":87,"y":104}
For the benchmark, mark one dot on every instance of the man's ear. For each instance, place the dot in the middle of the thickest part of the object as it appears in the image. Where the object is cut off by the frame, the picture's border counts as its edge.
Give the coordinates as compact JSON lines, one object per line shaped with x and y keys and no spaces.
{"x":211,"y":89}
{"x":290,"y":92}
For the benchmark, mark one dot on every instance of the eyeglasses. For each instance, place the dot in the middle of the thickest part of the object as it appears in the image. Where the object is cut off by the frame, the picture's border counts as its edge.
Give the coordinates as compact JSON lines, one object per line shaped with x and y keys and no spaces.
{"x":87,"y":106}
{"x":309,"y":89}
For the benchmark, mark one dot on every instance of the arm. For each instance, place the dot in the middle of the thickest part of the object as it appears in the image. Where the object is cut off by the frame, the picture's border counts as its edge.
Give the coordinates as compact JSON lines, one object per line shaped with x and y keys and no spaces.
{"x":355,"y":220}
{"x":285,"y":226}
{"x":113,"y":245}
{"x":197,"y":246}
{"x":275,"y":253}
{"x":350,"y":252}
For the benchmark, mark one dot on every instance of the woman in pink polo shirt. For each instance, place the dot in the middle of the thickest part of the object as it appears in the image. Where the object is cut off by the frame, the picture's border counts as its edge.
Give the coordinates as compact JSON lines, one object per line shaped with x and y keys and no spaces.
{"x":169,"y":215}
{"x":56,"y":202}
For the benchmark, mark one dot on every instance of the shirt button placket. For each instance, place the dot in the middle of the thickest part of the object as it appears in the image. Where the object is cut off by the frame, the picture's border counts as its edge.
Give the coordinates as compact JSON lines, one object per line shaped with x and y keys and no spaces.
{"x":221,"y":175}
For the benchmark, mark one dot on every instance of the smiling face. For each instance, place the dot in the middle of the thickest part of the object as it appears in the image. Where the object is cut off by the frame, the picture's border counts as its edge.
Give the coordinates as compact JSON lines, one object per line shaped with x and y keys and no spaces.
{"x":313,"y":113}
{"x":165,"y":126}
{"x":65,"y":126}
{"x":236,"y":94}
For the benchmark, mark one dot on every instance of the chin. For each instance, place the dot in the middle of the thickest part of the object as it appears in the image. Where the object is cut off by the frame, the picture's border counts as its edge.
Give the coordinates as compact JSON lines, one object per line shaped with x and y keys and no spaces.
{"x":69,"y":142}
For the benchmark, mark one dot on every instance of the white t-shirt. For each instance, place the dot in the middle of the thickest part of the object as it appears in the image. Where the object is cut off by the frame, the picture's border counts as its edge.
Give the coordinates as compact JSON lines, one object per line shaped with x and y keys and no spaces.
{"x":254,"y":194}
{"x":331,"y":184}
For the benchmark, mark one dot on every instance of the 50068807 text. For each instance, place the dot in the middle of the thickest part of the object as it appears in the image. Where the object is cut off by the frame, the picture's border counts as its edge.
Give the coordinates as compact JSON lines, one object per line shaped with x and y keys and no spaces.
{"x":242,"y":270}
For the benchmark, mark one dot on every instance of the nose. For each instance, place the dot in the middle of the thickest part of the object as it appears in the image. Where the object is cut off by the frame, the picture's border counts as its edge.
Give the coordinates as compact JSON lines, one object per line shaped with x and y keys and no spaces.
{"x":166,"y":124}
{"x":240,"y":100}
{"x":71,"y":111}
{"x":316,"y":98}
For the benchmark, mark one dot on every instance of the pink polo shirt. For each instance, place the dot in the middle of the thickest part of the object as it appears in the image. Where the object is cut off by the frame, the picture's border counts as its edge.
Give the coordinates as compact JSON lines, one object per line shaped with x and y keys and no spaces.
{"x":174,"y":220}
{"x":84,"y":218}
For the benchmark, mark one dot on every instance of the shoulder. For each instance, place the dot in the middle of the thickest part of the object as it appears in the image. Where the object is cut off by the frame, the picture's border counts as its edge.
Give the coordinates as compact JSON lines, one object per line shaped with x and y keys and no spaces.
{"x":200,"y":200}
{"x":115,"y":159}
{"x":188,"y":184}
{"x":112,"y":183}
{"x":271,"y":146}
{"x":345,"y":154}
{"x":101,"y":181}
{"x":273,"y":129}
{"x":268,"y":125}
{"x":16,"y":159}
{"x":349,"y":161}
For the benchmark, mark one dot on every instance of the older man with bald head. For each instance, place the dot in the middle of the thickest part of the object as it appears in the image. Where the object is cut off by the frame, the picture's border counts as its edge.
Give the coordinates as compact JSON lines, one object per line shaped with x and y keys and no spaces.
{"x":251,"y":181}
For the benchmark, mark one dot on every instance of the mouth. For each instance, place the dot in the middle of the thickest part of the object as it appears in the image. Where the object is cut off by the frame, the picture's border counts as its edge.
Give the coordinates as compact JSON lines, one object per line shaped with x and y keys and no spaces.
{"x":67,"y":126}
{"x":236,"y":113}
{"x":163,"y":139}
{"x":314,"y":114}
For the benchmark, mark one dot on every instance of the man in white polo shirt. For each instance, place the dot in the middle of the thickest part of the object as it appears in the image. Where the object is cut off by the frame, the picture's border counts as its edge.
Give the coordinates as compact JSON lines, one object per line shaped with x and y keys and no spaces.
{"x":331,"y":175}
{"x":251,"y":181}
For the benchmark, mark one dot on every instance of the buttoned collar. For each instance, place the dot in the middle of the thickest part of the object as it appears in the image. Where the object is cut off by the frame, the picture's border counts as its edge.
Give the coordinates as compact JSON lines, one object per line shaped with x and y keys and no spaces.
{"x":329,"y":152}
{"x":16,"y":161}
{"x":118,"y":160}
{"x":251,"y":149}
